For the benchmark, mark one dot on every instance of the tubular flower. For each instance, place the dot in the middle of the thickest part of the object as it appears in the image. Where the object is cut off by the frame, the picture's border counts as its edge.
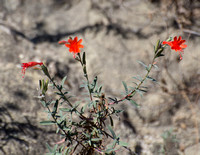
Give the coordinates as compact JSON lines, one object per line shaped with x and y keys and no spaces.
{"x":176,"y":44}
{"x":73,"y":45}
{"x":28,"y":65}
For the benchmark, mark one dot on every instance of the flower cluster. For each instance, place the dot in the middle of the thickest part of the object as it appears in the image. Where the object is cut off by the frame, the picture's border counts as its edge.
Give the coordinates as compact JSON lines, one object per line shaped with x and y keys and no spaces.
{"x":28,"y":65}
{"x":177,"y":45}
{"x":73,"y":45}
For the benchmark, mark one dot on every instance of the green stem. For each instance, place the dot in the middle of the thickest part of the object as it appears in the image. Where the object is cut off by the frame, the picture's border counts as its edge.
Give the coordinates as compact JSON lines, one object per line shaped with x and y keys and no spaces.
{"x":85,"y":75}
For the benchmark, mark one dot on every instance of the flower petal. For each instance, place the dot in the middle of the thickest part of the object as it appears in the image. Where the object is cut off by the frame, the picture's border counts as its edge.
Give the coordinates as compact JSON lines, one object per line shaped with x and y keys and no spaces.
{"x":183,"y":46}
{"x":62,"y":42}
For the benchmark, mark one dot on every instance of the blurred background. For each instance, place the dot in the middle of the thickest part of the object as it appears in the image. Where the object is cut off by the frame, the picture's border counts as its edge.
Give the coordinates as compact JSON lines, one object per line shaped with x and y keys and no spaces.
{"x":116,"y":34}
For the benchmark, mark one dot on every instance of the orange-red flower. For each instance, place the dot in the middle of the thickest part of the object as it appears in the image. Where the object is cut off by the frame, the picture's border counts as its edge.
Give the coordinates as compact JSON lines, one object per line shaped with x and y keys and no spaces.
{"x":73,"y":45}
{"x":28,"y":65}
{"x":177,"y":45}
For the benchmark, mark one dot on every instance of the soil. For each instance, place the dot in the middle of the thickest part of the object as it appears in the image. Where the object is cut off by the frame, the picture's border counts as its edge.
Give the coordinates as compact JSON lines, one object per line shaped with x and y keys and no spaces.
{"x":116,"y":35}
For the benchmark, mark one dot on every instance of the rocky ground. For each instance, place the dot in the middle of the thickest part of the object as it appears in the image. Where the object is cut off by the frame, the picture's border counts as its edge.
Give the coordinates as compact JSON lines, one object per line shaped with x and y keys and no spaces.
{"x":115,"y":33}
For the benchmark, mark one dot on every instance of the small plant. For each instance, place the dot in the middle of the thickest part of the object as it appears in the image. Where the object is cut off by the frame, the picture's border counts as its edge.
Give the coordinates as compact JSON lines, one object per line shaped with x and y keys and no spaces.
{"x":86,"y":125}
{"x":170,"y":143}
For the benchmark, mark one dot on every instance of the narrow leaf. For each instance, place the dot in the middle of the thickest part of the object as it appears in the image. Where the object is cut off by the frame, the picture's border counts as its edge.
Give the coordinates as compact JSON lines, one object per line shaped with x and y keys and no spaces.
{"x":47,"y":122}
{"x":55,"y":108}
{"x":142,"y":90}
{"x":43,"y":103}
{"x":55,"y":148}
{"x":134,"y":103}
{"x":63,"y":81}
{"x":157,"y":46}
{"x":93,"y":85}
{"x":155,"y":66}
{"x":65,"y":109}
{"x":58,"y":129}
{"x":125,"y":87}
{"x":40,"y":83}
{"x":137,"y":78}
{"x":152,"y":79}
{"x":100,"y":89}
{"x":49,"y":148}
{"x":95,"y":139}
{"x":140,"y":62}
{"x":111,"y":131}
{"x":111,"y":121}
{"x":123,"y":144}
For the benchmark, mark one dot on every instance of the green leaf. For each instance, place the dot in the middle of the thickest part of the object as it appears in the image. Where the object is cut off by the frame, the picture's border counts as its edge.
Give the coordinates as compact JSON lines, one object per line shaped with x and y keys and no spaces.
{"x":83,"y":85}
{"x":47,"y":122}
{"x":134,"y":103}
{"x":89,"y":142}
{"x":100,"y":89}
{"x":139,"y":91}
{"x":114,"y":143}
{"x":49,"y":148}
{"x":135,"y":83}
{"x":55,"y":148}
{"x":112,"y":99}
{"x":152,"y":79}
{"x":87,"y":135}
{"x":58,"y":129}
{"x":55,"y":108}
{"x":63,"y":81}
{"x":45,"y":70}
{"x":137,"y":78}
{"x":94,"y":83}
{"x":112,"y":132}
{"x":96,"y":139}
{"x":118,"y":111}
{"x":58,"y":93}
{"x":125,"y":87}
{"x":148,"y":68}
{"x":65,"y":109}
{"x":111,"y":121}
{"x":142,"y":90}
{"x":155,"y":66}
{"x":158,"y":45}
{"x":159,"y":52}
{"x":65,"y":92}
{"x":91,"y":104}
{"x":40,"y":84}
{"x":140,"y":62}
{"x":123,"y":144}
{"x":43,"y":103}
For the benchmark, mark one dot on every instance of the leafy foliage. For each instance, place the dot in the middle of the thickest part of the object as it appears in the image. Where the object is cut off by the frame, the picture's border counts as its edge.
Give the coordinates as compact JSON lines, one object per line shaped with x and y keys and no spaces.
{"x":83,"y":125}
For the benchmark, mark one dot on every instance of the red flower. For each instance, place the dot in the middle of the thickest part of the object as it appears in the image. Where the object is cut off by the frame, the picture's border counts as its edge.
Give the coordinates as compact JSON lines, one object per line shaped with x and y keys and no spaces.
{"x":176,"y":45}
{"x":73,"y":45}
{"x":28,"y":65}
